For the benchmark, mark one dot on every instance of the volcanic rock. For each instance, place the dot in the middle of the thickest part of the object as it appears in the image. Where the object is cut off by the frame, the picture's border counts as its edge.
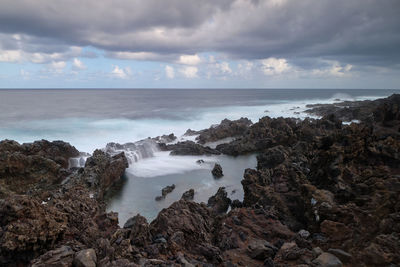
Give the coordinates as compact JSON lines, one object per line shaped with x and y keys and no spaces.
{"x":217,"y":171}
{"x":190,"y":148}
{"x":219,"y":203}
{"x":188,"y":195}
{"x":226,"y":128}
{"x":85,"y":258}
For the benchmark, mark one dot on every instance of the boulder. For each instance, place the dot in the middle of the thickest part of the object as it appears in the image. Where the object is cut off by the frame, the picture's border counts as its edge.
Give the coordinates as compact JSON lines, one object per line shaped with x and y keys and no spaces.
{"x":342,"y":255}
{"x":62,"y":256}
{"x":219,"y":203}
{"x":327,"y":260}
{"x":261,"y":250}
{"x":85,"y":258}
{"x":217,"y":171}
{"x":102,"y":170}
{"x":188,"y":195}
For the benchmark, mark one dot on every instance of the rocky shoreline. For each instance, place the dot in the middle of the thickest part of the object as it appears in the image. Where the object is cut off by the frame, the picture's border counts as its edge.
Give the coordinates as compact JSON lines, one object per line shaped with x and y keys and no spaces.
{"x":323,"y":194}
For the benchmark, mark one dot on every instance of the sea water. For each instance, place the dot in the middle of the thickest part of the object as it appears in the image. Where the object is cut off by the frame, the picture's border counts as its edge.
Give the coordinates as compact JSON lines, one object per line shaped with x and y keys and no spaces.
{"x":89,"y":119}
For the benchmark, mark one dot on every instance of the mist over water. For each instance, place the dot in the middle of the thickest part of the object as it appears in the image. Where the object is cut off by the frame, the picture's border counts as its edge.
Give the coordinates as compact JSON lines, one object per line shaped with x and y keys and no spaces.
{"x":90,"y":119}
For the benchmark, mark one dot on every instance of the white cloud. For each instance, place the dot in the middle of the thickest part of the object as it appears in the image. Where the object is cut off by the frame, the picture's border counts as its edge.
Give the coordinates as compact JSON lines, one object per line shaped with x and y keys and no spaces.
{"x":169,"y":72}
{"x":189,"y":59}
{"x":57,"y":66}
{"x":78,"y":65}
{"x":10,"y":55}
{"x":189,"y":72}
{"x":139,"y":56}
{"x":275,"y":66}
{"x":244,"y":69}
{"x":122,"y":73}
{"x":224,"y":67}
{"x":335,"y":70}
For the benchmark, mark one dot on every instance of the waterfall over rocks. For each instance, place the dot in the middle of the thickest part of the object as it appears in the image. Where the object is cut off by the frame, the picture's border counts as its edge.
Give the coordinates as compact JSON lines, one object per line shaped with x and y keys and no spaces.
{"x":134,"y":151}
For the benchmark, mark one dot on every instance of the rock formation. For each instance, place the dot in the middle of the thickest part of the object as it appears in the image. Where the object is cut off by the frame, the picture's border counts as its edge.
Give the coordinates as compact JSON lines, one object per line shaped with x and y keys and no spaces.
{"x":323,"y":194}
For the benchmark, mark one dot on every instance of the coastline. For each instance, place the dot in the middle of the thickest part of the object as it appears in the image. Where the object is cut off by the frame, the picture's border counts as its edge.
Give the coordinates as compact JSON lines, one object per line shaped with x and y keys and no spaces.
{"x":319,"y":186}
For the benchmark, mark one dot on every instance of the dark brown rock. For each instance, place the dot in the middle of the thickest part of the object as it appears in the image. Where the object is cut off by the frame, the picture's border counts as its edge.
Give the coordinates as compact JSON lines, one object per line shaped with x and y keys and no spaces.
{"x":217,"y":171}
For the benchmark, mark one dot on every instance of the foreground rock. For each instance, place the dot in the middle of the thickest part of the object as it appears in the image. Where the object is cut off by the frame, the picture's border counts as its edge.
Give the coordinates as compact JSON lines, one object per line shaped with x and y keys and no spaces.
{"x":219,"y":203}
{"x":64,"y":213}
{"x":34,"y":167}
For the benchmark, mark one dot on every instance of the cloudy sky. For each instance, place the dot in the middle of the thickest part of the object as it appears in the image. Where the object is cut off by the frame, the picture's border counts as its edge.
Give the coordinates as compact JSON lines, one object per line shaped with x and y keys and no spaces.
{"x":200,"y":43}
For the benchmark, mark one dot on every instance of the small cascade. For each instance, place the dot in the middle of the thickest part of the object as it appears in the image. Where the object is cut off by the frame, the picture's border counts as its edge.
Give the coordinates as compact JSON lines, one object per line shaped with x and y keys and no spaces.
{"x":134,"y":151}
{"x":78,"y":162}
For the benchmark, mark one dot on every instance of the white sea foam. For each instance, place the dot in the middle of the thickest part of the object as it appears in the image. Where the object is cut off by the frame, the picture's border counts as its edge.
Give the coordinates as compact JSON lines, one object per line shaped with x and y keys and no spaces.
{"x":163,"y":164}
{"x":88,"y":134}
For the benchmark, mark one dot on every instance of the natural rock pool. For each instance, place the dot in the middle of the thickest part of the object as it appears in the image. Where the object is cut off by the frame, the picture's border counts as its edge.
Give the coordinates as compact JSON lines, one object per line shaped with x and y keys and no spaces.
{"x":136,"y":191}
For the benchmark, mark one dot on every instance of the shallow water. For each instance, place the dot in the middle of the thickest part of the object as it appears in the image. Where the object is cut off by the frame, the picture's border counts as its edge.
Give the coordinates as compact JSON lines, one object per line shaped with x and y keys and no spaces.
{"x":135,"y":194}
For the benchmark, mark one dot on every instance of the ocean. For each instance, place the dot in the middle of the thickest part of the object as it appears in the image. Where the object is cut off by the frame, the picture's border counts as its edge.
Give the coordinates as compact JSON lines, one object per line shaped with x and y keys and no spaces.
{"x":89,"y":119}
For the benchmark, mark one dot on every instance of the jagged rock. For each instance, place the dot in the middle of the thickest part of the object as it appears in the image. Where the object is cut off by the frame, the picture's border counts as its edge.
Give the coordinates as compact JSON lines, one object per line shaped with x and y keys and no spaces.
{"x":102,"y":170}
{"x":159,"y":198}
{"x":217,"y":171}
{"x":188,"y":195}
{"x":236,"y":203}
{"x":190,"y":148}
{"x":261,"y":249}
{"x":166,"y":190}
{"x":165,"y":138}
{"x":271,"y":158}
{"x":62,"y":257}
{"x":226,"y":128}
{"x":219,"y":203}
{"x":33,"y":167}
{"x":327,"y":260}
{"x":192,"y":219}
{"x":342,"y":255}
{"x":28,"y":227}
{"x":138,"y":233}
{"x":85,"y":258}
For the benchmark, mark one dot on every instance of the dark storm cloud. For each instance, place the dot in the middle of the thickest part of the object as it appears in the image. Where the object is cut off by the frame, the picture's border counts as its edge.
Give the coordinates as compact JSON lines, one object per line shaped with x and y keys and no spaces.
{"x":352,"y":31}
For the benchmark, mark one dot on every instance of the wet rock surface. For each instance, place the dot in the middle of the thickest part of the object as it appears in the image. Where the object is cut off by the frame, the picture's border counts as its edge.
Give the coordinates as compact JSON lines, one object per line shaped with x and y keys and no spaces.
{"x":323,"y":194}
{"x":217,"y":171}
{"x":189,"y":148}
{"x":226,"y":128}
{"x":165,"y":191}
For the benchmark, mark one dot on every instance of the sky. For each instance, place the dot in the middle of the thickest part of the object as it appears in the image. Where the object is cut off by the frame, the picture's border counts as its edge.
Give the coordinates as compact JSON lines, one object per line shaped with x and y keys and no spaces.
{"x":200,"y":44}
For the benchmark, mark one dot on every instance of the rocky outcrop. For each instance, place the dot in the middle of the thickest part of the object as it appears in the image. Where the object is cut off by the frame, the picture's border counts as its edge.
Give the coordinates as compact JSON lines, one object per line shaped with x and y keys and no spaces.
{"x":102,"y":170}
{"x":226,"y":128}
{"x":189,"y":148}
{"x":165,"y":191}
{"x":33,"y":167}
{"x":219,"y":203}
{"x":217,"y":171}
{"x":60,"y":216}
{"x":188,"y":195}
